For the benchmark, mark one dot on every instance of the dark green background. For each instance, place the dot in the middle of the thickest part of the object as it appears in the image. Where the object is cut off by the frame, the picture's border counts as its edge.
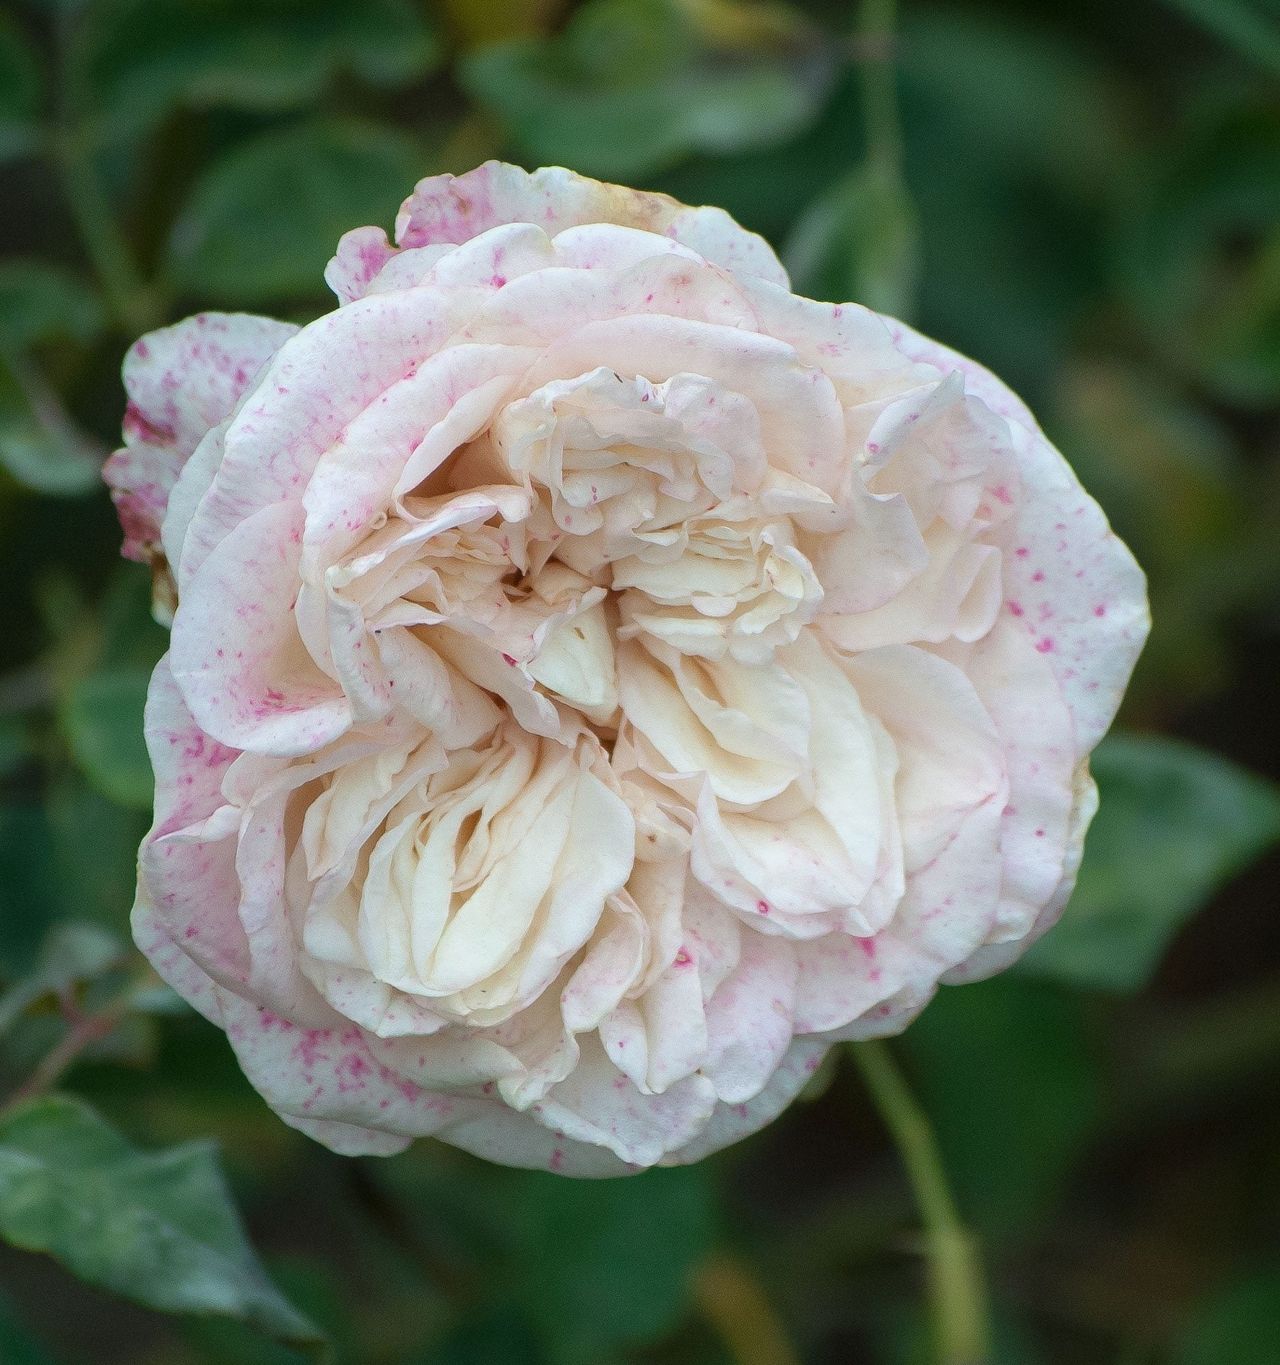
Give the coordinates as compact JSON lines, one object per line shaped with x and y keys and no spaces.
{"x":1087,"y":198}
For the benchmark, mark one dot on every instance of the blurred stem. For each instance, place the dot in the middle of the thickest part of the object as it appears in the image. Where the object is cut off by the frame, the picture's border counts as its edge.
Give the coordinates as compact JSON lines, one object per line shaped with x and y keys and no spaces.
{"x":1255,"y":36}
{"x":46,"y":406}
{"x":131,"y":302}
{"x":126,"y":294}
{"x":83,"y":1031}
{"x":957,"y":1291}
{"x":452,"y":1283}
{"x":733,"y":1301}
{"x":877,"y":20}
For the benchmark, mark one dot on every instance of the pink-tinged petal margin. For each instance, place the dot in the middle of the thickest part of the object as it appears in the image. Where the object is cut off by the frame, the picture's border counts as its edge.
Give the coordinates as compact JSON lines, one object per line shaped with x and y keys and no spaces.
{"x":181,"y":381}
{"x":454,"y":209}
{"x":1068,"y":578}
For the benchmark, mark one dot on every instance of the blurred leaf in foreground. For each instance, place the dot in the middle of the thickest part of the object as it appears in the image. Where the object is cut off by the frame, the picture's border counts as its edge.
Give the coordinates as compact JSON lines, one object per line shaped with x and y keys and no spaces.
{"x":134,"y":60}
{"x":158,"y":1227}
{"x":1174,"y":824}
{"x":631,"y":86}
{"x":261,"y":224}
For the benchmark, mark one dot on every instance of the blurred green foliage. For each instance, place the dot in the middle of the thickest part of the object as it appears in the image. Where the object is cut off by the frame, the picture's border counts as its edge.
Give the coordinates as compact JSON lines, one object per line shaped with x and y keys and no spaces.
{"x":1086,"y":199}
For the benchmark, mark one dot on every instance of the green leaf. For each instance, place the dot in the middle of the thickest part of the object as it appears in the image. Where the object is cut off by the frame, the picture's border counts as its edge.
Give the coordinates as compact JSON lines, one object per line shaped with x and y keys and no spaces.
{"x":157,"y":1227}
{"x":859,"y":241}
{"x":1238,"y":1325}
{"x":1016,"y":95}
{"x":42,"y":462}
{"x":42,"y":302}
{"x":19,"y":91}
{"x":72,"y":952}
{"x":1005,"y":1075}
{"x":1175,"y":823}
{"x":135,"y":60}
{"x":322,"y":1288}
{"x":261,"y":224}
{"x":102,"y":720}
{"x":1200,"y":254}
{"x":101,"y":888}
{"x":763,"y":188}
{"x":129,"y":632}
{"x":631,"y":1244}
{"x":632,"y":86}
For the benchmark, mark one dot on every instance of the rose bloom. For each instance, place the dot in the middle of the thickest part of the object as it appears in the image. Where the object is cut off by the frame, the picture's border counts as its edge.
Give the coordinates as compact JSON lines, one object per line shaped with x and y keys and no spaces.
{"x":600,"y":679}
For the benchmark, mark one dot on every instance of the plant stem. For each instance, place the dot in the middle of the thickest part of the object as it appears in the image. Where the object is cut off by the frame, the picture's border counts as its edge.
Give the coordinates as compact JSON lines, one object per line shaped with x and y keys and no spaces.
{"x":957,"y":1292}
{"x":733,"y":1301}
{"x":122,"y":284}
{"x":128,"y":297}
{"x":875,"y":44}
{"x":83,"y":1031}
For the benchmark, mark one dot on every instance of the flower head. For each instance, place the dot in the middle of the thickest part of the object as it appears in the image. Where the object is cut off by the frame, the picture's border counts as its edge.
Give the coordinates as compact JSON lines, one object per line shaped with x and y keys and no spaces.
{"x":600,"y":679}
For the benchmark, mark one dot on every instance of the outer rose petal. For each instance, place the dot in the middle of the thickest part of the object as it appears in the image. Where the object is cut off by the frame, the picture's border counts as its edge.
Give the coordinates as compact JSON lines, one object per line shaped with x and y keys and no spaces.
{"x":1070,"y":580}
{"x":181,"y":381}
{"x":184,"y":918}
{"x":732,"y":1122}
{"x":447,"y":208}
{"x":236,"y":651}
